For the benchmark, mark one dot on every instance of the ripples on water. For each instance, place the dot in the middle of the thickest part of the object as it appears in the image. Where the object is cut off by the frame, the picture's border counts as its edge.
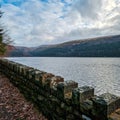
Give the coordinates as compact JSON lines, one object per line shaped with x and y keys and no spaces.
{"x":101,"y":73}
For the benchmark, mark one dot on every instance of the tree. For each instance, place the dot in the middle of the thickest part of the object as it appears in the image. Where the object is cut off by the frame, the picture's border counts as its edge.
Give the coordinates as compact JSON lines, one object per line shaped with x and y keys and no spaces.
{"x":4,"y":38}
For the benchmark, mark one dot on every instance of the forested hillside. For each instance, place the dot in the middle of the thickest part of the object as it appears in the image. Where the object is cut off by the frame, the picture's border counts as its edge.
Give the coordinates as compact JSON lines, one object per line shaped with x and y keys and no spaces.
{"x":95,"y":47}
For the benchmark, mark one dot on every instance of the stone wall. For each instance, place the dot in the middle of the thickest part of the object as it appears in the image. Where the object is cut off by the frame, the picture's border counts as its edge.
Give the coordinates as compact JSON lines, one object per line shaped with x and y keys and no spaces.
{"x":56,"y":98}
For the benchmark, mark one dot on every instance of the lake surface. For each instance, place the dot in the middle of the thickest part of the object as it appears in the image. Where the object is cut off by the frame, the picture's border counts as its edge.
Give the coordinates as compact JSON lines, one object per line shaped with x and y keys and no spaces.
{"x":101,"y":73}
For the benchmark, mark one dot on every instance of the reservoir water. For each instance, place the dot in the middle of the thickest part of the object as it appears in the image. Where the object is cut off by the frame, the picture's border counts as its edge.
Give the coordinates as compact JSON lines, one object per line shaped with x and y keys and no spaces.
{"x":101,"y":73}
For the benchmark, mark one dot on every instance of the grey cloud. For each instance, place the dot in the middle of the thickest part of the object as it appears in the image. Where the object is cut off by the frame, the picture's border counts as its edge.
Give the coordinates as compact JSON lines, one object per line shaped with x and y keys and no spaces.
{"x":88,"y":8}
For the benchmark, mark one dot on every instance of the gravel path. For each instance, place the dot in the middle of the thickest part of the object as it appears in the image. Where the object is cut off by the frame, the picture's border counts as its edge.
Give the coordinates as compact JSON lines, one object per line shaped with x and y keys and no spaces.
{"x":13,"y":105}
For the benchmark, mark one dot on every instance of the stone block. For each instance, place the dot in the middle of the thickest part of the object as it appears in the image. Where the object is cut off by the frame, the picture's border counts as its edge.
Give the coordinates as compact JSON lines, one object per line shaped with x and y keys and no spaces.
{"x":115,"y":115}
{"x":105,"y":104}
{"x":81,"y":94}
{"x":24,"y":70}
{"x":64,"y":89}
{"x":53,"y":81}
{"x":36,"y":74}
{"x":29,"y":72}
{"x":12,"y":66}
{"x":17,"y":67}
{"x":60,"y":111}
{"x":86,"y":107}
{"x":20,"y":69}
{"x":56,"y":102}
{"x":44,"y":76}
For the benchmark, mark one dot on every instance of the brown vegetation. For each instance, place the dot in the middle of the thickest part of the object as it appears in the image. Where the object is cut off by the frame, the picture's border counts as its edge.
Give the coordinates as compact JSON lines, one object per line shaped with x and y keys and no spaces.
{"x":13,"y":105}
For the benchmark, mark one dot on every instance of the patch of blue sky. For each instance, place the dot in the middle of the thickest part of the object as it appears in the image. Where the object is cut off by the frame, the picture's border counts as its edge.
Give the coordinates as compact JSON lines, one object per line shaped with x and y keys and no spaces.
{"x":14,"y":2}
{"x":1,"y":2}
{"x":44,"y":1}
{"x":66,"y":8}
{"x":66,"y":3}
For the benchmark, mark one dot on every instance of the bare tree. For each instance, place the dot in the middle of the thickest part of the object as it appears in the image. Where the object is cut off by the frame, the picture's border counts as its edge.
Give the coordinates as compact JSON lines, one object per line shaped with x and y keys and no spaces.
{"x":4,"y":38}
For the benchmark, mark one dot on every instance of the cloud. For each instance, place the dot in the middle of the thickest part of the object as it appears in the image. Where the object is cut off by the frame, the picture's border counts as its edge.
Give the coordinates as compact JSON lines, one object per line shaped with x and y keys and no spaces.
{"x":36,"y":22}
{"x":88,"y":8}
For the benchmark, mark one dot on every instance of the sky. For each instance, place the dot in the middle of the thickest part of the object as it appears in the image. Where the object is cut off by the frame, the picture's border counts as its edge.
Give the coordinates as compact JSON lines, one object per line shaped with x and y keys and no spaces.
{"x":39,"y":22}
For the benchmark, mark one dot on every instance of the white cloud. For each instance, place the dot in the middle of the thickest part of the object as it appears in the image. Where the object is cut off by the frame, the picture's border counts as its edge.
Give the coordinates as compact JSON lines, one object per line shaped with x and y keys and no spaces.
{"x":34,"y":22}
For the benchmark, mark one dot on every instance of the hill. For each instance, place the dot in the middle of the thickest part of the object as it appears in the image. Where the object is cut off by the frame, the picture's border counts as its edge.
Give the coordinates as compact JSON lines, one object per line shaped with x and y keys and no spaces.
{"x":108,"y":46}
{"x":95,"y":47}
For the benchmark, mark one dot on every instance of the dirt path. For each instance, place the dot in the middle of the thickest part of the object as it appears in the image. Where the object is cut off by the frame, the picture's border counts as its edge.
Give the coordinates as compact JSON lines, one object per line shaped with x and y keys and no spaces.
{"x":13,"y":105}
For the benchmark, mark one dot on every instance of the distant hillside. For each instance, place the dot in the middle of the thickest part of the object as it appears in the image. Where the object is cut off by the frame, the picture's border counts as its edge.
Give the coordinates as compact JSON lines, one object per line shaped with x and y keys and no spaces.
{"x":9,"y":49}
{"x":95,"y":47}
{"x":21,"y":51}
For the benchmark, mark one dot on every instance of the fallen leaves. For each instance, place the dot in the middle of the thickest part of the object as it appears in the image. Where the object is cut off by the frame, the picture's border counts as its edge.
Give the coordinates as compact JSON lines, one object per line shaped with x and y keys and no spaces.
{"x":13,"y":105}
